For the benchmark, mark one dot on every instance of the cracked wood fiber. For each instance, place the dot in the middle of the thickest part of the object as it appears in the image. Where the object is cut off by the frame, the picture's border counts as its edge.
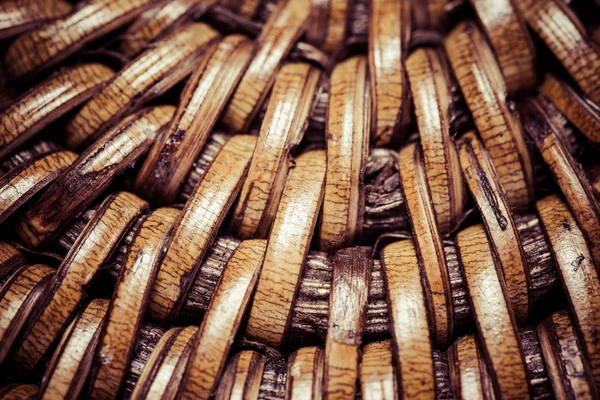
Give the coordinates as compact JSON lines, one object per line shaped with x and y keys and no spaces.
{"x":431,"y":88}
{"x":19,"y":16}
{"x":376,"y":373}
{"x":244,"y":8}
{"x":48,"y":101}
{"x":329,"y":22}
{"x":304,"y":374}
{"x":428,"y":242}
{"x":127,"y":307}
{"x":202,"y":100}
{"x":468,"y":369}
{"x":389,"y":37}
{"x":284,"y":27}
{"x":52,"y":43}
{"x":288,"y":247}
{"x":242,"y":376}
{"x":18,"y":392}
{"x":10,"y":259}
{"x":492,"y":203}
{"x":480,"y":79}
{"x":67,"y":288}
{"x":197,"y":225}
{"x":211,"y":345}
{"x":578,"y":273}
{"x":151,"y":74}
{"x":348,"y":130}
{"x":347,"y":311}
{"x":494,"y":317}
{"x":90,"y":174}
{"x":409,"y":324}
{"x":283,"y":127}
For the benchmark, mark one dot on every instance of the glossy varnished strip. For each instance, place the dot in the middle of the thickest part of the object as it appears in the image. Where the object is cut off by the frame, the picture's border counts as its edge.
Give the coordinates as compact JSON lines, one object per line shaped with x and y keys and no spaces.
{"x":556,"y":24}
{"x":202,"y":101}
{"x":212,"y":343}
{"x":128,"y":305}
{"x":376,"y":372}
{"x":242,"y":376}
{"x":19,"y":184}
{"x":582,"y":113}
{"x":493,"y":314}
{"x":511,"y":42}
{"x":567,"y":172}
{"x":409,"y":323}
{"x":18,"y":392}
{"x":282,"y":129}
{"x":348,"y":130}
{"x":468,"y":370}
{"x":90,"y":174}
{"x":284,"y":27}
{"x":578,"y":274}
{"x":158,"y":20}
{"x":71,"y":362}
{"x":289,"y":243}
{"x":389,"y":37}
{"x":52,"y":43}
{"x":148,"y":76}
{"x":160,"y":368}
{"x":66,"y":291}
{"x":492,"y":203}
{"x":329,"y":22}
{"x":347,"y":311}
{"x":484,"y":90}
{"x":10,"y":259}
{"x":432,"y":94}
{"x":304,"y":374}
{"x":18,"y":16}
{"x":197,"y":225}
{"x":428,"y":242}
{"x":48,"y":101}
{"x":568,"y":368}
{"x":18,"y":298}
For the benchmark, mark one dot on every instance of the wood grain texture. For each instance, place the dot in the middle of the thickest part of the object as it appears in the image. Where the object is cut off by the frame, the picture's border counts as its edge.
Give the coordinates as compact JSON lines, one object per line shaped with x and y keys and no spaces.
{"x":567,"y":365}
{"x":389,"y":37}
{"x":202,"y":100}
{"x":67,"y":288}
{"x":127,"y":307}
{"x":19,"y":16}
{"x":47,"y":46}
{"x":493,"y":314}
{"x":289,"y":243}
{"x":159,"y":21}
{"x":329,"y":22}
{"x":480,"y":79}
{"x":567,"y":172}
{"x":428,"y":242}
{"x":21,"y":183}
{"x":431,"y":88}
{"x":578,"y":274}
{"x":286,"y":24}
{"x":10,"y":259}
{"x":510,"y":40}
{"x":581,"y":112}
{"x":376,"y":373}
{"x":468,"y":369}
{"x":348,"y":130}
{"x":197,"y":225}
{"x":48,"y":101}
{"x":492,"y":203}
{"x":431,"y":14}
{"x":155,"y":71}
{"x":18,"y":297}
{"x":282,"y":130}
{"x":242,"y":377}
{"x":244,"y":8}
{"x":304,"y":374}
{"x":94,"y":170}
{"x":347,"y":312}
{"x":71,"y":362}
{"x":18,"y":392}
{"x":558,"y":27}
{"x":409,"y":324}
{"x":161,"y":367}
{"x":211,"y":345}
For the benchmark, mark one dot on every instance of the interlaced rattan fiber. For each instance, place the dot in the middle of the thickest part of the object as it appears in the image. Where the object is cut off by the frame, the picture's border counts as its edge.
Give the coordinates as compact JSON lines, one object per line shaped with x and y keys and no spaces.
{"x":299,"y":199}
